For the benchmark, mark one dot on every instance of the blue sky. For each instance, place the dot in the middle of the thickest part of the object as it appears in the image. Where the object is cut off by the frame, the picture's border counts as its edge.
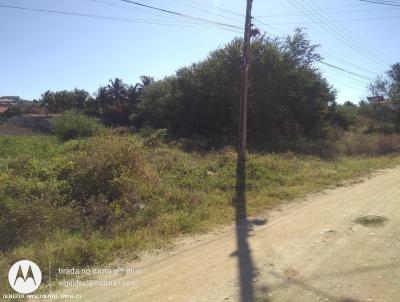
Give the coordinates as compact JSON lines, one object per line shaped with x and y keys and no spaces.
{"x":43,"y":51}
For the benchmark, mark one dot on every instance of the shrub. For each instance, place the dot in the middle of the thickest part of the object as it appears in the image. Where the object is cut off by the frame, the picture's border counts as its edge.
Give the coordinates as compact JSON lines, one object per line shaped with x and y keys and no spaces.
{"x":73,"y":125}
{"x":37,"y":146}
{"x":156,"y":139}
{"x":345,"y":115}
{"x":31,"y":203}
{"x":109,"y":179}
{"x":287,"y":97}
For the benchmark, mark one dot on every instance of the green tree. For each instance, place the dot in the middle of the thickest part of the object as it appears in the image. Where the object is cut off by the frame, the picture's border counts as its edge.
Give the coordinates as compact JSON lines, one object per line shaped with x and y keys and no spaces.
{"x":61,"y":101}
{"x":117,"y":92}
{"x":389,"y":87}
{"x":117,"y":101}
{"x":389,"y":84}
{"x":345,"y":115}
{"x":287,"y":95}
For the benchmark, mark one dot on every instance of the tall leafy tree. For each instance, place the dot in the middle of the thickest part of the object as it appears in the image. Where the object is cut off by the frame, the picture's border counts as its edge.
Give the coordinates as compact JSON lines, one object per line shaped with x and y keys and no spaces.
{"x":117,"y":92}
{"x":117,"y":101}
{"x":61,"y":101}
{"x":389,"y":84}
{"x":288,"y":96}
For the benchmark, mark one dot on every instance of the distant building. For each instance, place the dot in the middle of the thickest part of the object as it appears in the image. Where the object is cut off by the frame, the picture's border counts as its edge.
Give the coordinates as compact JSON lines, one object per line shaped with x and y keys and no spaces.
{"x":6,"y":101}
{"x":5,"y":104}
{"x":26,"y":107}
{"x":376,"y":100}
{"x":381,"y":101}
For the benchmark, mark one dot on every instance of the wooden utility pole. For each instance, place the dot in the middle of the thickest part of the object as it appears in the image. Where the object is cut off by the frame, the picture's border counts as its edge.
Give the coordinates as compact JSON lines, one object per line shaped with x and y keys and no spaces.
{"x":244,"y":87}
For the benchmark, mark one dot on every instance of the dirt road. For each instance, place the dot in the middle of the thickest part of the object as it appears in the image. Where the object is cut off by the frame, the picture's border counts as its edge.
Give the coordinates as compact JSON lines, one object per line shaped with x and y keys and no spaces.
{"x":309,"y":250}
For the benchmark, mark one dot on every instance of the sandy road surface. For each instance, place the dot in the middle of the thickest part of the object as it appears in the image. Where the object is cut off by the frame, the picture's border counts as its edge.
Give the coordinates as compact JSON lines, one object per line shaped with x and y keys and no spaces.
{"x":292,"y":257}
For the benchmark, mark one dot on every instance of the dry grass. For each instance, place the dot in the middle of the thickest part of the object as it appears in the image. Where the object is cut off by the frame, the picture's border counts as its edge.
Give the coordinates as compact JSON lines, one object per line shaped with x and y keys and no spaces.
{"x":369,"y":144}
{"x":116,"y":196}
{"x":6,"y":129}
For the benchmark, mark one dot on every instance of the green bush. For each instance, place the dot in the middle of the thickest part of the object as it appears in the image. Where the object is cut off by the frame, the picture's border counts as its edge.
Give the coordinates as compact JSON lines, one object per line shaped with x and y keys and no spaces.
{"x":73,"y":125}
{"x":37,"y":146}
{"x":88,"y":201}
{"x":288,"y":97}
{"x":109,"y":179}
{"x":345,"y":115}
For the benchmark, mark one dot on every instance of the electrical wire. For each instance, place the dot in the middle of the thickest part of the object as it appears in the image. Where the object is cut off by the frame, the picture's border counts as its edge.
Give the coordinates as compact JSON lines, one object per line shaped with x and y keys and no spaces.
{"x":345,"y":70}
{"x":180,"y":14}
{"x":206,"y":10}
{"x":217,"y":7}
{"x":345,"y":39}
{"x":347,"y":62}
{"x":103,"y":17}
{"x":158,"y":14}
{"x":351,"y":35}
{"x":340,"y":21}
{"x":113,"y":18}
{"x":296,"y":14}
{"x":343,"y":83}
{"x":388,"y":3}
{"x":344,"y":34}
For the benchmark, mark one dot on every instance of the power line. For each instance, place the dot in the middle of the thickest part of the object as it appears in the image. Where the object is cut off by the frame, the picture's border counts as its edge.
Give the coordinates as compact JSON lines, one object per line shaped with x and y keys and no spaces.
{"x":180,"y":14}
{"x":353,"y":36}
{"x":296,"y":14}
{"x":316,"y":13}
{"x":140,"y":10}
{"x":206,"y":10}
{"x":347,"y":62}
{"x":340,"y":21}
{"x":342,"y":83}
{"x":217,"y":7}
{"x":339,"y":34}
{"x":269,"y":25}
{"x":345,"y":70}
{"x":395,"y":4}
{"x":113,"y":18}
{"x":325,"y":63}
{"x":102,"y":17}
{"x":350,"y":37}
{"x":158,"y":14}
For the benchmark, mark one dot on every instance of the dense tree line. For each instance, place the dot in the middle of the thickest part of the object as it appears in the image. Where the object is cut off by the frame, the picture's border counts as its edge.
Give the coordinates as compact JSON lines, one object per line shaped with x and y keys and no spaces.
{"x":288,"y":96}
{"x":113,"y":103}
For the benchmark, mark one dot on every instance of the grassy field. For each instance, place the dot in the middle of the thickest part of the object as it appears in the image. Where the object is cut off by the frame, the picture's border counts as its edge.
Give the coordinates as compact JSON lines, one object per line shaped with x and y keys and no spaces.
{"x":86,"y":201}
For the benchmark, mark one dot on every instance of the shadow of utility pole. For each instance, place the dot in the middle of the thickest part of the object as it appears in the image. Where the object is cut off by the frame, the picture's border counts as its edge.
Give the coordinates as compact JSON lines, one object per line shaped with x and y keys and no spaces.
{"x":246,"y":267}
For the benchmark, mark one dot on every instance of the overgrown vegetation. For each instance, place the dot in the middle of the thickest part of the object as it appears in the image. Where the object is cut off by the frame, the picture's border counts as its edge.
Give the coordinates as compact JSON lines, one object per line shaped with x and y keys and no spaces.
{"x":89,"y":193}
{"x":73,"y":124}
{"x":86,"y":201}
{"x":288,"y":97}
{"x":289,"y":101}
